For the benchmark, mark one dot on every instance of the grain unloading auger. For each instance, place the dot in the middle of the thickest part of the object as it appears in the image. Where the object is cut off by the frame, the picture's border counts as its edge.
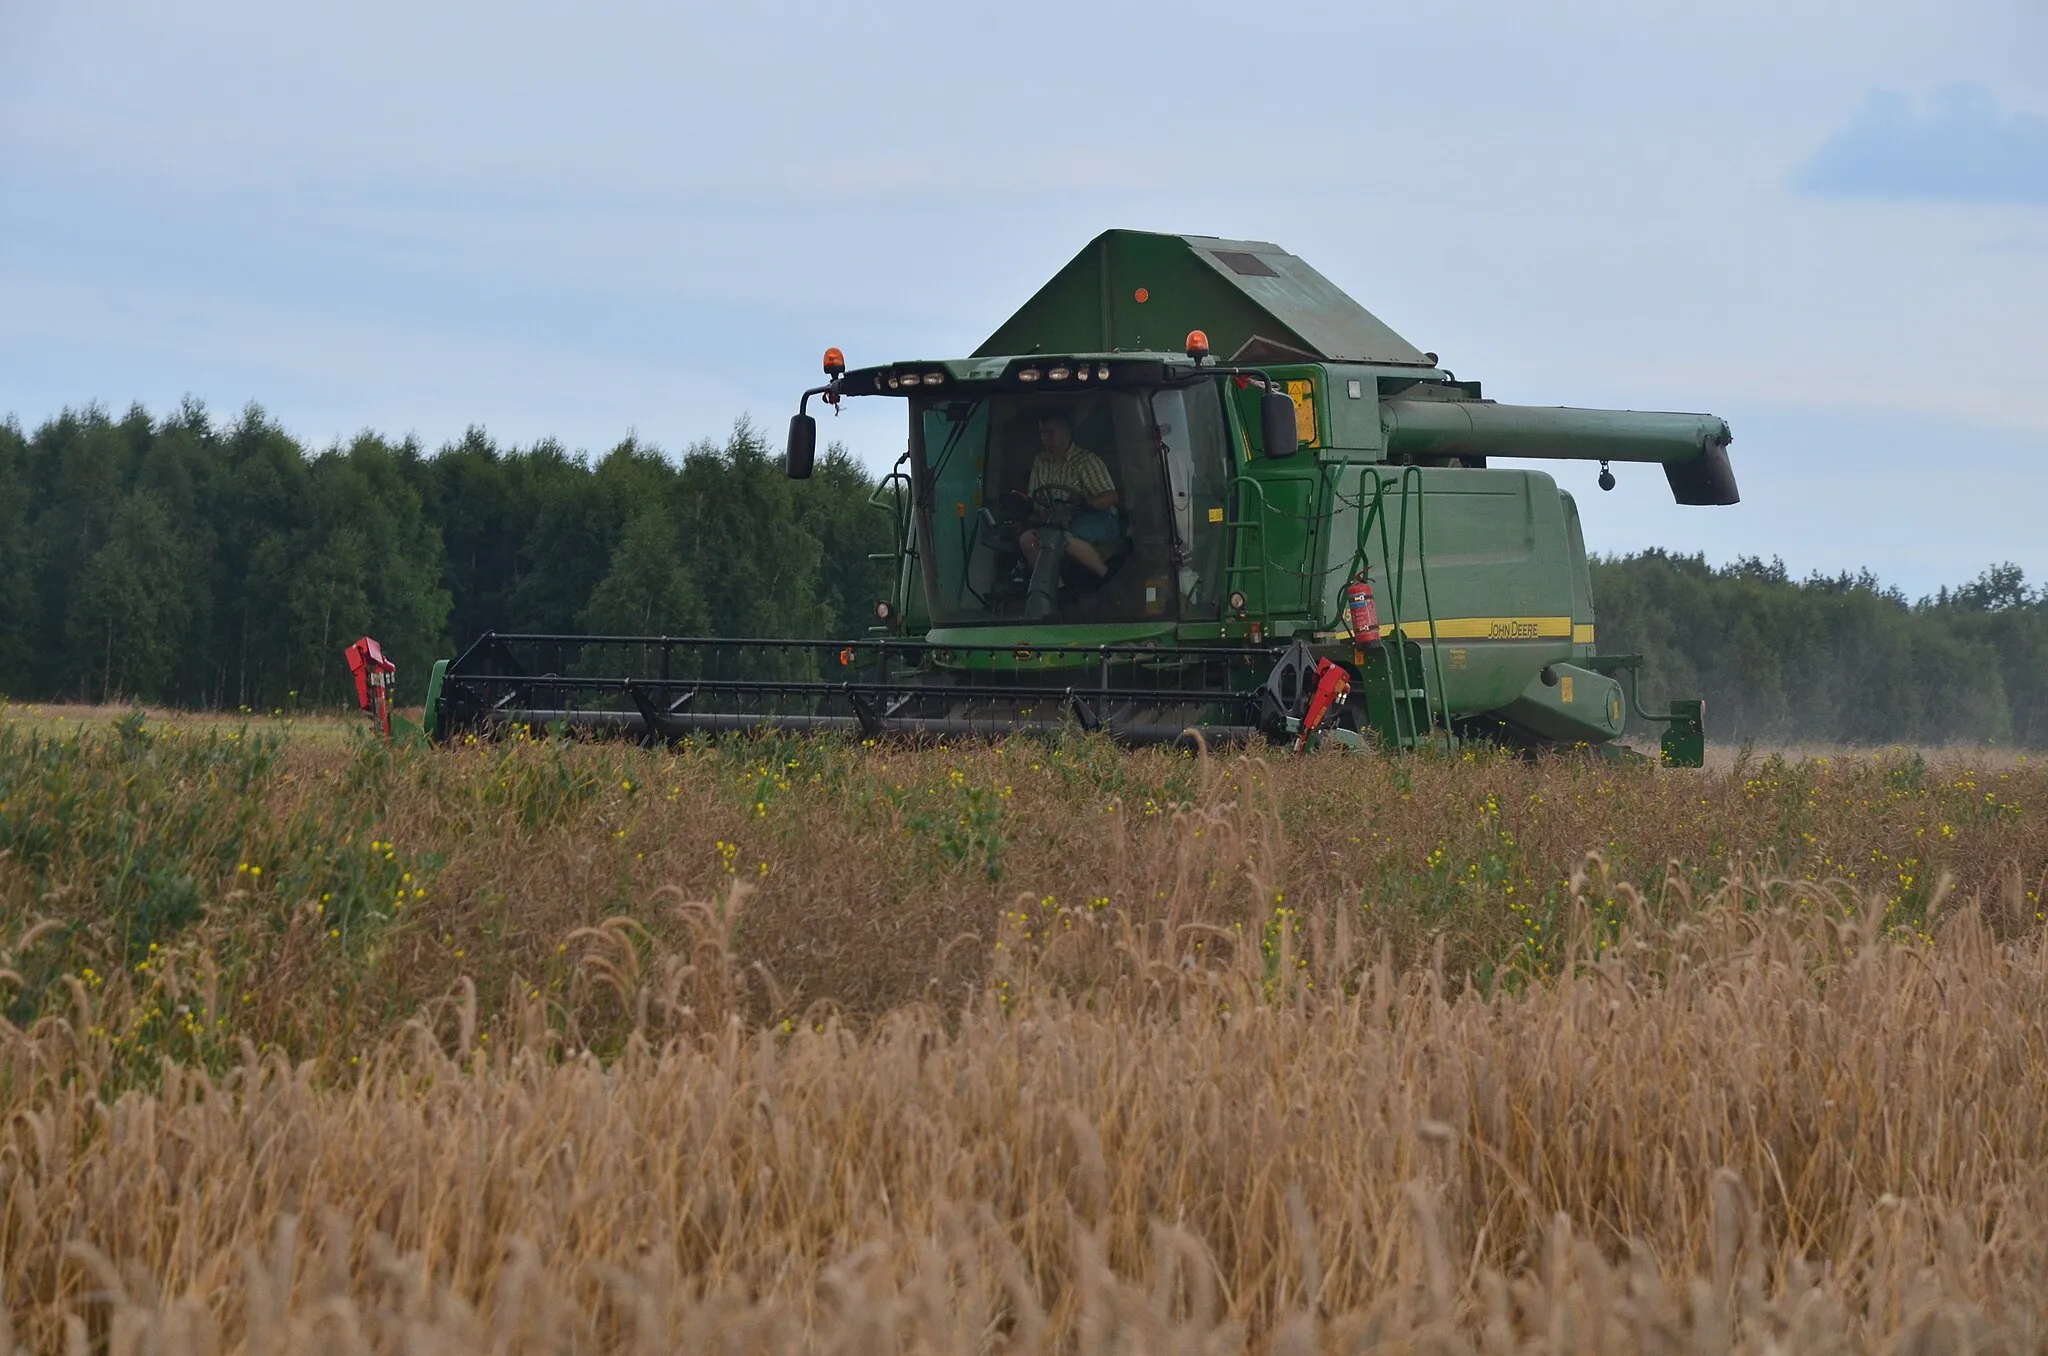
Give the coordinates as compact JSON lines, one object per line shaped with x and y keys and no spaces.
{"x":1098,"y":522}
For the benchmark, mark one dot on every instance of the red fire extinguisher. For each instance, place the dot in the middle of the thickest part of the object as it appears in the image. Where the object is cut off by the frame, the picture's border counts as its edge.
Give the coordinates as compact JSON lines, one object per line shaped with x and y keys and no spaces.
{"x":1364,"y":613}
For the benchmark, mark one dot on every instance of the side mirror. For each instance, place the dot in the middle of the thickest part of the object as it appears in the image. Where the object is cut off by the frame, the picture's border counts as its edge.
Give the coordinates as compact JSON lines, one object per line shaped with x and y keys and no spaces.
{"x":1278,"y":432}
{"x":803,"y":446}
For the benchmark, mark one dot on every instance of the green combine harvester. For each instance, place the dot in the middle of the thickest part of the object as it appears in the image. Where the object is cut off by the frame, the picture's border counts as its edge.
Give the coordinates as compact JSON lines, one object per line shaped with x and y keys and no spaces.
{"x":1189,"y":486}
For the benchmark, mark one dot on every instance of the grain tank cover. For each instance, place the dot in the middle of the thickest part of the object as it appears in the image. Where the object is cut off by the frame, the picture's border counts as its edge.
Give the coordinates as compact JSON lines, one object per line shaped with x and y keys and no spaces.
{"x":1139,"y":291}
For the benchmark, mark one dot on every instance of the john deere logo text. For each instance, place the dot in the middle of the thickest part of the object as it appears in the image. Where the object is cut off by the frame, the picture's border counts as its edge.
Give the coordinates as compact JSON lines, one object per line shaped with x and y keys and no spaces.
{"x":1511,"y":628}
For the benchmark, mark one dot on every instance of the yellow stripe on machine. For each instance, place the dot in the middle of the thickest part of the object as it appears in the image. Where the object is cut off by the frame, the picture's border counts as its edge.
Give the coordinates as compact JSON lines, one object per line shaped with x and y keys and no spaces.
{"x":1496,"y":628}
{"x":1582,"y":633}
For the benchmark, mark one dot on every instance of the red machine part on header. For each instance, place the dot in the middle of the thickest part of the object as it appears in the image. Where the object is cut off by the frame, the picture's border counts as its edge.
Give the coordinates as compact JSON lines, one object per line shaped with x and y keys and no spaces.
{"x":374,"y":676}
{"x":1333,"y":685}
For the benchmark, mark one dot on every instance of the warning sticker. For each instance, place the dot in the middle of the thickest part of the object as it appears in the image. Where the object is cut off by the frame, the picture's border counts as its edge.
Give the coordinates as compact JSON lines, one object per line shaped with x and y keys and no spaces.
{"x":1303,"y":394}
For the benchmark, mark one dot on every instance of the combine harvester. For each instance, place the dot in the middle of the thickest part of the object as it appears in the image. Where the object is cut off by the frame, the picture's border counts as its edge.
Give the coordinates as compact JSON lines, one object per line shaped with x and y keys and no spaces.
{"x":1101,"y":523}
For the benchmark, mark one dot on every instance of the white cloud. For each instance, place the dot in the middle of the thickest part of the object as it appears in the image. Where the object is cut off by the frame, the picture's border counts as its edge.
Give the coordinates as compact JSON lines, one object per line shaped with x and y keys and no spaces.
{"x":1962,"y":146}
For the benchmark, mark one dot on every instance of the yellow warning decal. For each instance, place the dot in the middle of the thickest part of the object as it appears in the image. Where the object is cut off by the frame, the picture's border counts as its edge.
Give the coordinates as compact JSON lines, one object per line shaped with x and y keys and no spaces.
{"x":1564,"y":682}
{"x":1582,"y":633}
{"x":1216,"y":516}
{"x":1304,"y":395}
{"x":1492,"y":628}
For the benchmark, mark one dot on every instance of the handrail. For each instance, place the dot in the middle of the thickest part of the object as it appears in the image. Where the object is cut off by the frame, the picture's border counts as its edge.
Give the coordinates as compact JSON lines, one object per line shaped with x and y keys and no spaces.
{"x":1231,"y":568}
{"x":1397,"y":658}
{"x":893,"y":487}
{"x":1395,"y":556}
{"x":1398,"y":577}
{"x":1436,"y":649}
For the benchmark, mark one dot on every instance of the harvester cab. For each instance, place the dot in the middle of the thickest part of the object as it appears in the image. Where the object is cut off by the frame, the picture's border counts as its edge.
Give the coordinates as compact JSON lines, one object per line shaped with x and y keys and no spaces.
{"x":1190,"y":483}
{"x":1080,"y":494}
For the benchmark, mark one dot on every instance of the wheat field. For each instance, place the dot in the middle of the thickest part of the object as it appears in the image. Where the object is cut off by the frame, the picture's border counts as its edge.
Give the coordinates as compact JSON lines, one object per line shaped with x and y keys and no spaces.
{"x":318,"y":1045}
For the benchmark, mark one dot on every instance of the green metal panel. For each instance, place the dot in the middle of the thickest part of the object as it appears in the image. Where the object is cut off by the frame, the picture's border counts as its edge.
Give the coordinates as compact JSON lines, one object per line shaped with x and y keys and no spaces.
{"x":1499,"y":579}
{"x":1136,"y":291}
{"x":1685,"y":738}
{"x":1051,"y":634}
{"x":1496,"y":543}
{"x":1567,"y":704}
{"x":1583,"y":634}
{"x":1352,"y":410}
{"x":431,"y":717}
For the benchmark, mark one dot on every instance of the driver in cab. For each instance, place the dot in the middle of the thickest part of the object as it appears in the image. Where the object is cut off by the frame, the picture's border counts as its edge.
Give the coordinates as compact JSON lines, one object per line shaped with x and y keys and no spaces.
{"x":1070,"y":490}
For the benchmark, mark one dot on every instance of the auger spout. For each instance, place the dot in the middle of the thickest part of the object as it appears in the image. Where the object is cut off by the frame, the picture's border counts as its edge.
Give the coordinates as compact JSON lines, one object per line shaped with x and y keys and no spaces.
{"x":1692,"y":448}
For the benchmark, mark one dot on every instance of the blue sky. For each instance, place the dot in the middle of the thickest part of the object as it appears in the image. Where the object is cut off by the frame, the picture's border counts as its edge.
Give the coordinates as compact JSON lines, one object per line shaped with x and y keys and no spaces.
{"x":1827,"y":222}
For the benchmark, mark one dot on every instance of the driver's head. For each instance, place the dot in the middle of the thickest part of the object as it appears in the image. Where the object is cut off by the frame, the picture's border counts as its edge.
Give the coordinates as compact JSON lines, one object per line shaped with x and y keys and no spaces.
{"x":1055,"y":434}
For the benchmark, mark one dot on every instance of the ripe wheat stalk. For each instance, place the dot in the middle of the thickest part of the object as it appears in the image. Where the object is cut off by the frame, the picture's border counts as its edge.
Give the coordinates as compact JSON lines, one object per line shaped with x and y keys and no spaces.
{"x":1198,"y":1098}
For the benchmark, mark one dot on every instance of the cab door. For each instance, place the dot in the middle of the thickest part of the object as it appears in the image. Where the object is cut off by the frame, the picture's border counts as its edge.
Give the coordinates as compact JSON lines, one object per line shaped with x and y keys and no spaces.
{"x":1277,"y":506}
{"x":1192,"y":427}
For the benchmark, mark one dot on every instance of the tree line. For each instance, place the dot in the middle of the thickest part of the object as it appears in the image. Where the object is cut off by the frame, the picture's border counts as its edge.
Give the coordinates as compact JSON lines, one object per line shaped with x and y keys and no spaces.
{"x":1832,"y":659}
{"x":196,"y":562}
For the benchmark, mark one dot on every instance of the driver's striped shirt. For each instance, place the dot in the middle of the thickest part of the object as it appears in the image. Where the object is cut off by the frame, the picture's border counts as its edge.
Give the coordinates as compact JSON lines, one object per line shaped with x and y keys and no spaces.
{"x":1080,"y":471}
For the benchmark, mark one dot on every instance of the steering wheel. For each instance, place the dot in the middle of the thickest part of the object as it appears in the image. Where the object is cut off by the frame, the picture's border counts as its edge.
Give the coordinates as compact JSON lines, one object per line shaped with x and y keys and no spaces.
{"x":1057,"y":503}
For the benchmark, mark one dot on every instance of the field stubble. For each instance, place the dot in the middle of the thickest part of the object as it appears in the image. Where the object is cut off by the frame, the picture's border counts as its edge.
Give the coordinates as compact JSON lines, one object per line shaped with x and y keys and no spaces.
{"x":1033,"y":1047}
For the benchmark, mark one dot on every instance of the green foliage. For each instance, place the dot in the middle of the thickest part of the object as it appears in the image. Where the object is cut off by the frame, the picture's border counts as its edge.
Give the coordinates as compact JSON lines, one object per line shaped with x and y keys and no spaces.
{"x":959,"y":823}
{"x":650,"y":590}
{"x":541,"y":784}
{"x":1831,"y":659}
{"x":139,"y":826}
{"x":131,"y":612}
{"x":188,"y":563}
{"x":152,"y":854}
{"x":19,"y":604}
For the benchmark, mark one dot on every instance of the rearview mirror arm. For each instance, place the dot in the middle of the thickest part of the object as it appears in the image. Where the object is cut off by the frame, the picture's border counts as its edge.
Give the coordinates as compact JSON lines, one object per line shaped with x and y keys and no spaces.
{"x":829,"y":390}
